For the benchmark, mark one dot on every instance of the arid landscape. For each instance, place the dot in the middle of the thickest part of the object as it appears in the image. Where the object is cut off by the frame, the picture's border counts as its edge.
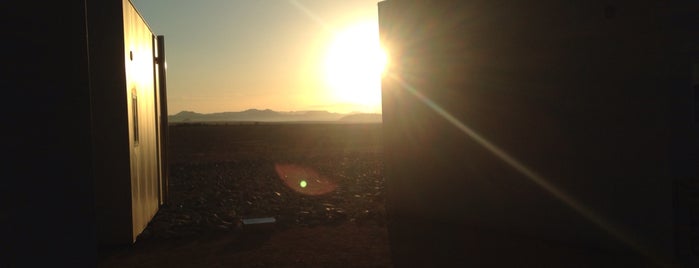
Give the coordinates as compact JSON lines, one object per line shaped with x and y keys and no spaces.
{"x":322,"y":184}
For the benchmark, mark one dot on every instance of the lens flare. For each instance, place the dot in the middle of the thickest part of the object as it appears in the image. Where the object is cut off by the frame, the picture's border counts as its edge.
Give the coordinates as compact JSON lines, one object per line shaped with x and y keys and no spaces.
{"x":304,"y":180}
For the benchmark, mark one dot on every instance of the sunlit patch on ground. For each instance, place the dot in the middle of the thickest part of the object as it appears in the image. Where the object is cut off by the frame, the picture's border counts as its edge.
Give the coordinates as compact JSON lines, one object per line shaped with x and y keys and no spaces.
{"x":304,"y":180}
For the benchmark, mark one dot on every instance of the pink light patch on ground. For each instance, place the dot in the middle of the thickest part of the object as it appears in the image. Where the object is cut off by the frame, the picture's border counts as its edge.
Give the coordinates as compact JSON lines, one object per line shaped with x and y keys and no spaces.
{"x":294,"y":177}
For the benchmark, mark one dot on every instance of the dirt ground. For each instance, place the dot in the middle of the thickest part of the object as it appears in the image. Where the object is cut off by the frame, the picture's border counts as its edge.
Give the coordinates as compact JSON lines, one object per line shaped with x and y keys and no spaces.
{"x":321,"y":183}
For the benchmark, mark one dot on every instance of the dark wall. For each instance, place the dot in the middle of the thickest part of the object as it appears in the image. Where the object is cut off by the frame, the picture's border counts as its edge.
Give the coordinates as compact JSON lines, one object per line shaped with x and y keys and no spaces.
{"x":47,"y":190}
{"x":537,"y":133}
{"x":110,"y":122}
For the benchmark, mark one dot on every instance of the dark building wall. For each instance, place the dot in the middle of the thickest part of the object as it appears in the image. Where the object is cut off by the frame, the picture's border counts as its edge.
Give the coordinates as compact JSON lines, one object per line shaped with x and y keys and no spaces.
{"x":538,"y":123}
{"x":67,"y":183}
{"x":163,"y":118}
{"x":47,"y":187}
{"x":111,"y":122}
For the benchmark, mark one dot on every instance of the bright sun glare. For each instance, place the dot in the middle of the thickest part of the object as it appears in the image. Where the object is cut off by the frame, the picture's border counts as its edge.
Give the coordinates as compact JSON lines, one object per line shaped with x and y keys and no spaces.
{"x":354,"y":64}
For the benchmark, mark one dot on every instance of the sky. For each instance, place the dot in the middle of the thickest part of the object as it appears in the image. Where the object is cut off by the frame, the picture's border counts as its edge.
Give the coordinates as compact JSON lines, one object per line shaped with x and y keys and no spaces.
{"x":284,"y":55}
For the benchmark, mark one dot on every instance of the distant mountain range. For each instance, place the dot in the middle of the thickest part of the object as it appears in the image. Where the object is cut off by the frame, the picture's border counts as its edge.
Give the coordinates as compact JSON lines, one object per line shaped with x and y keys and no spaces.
{"x":255,"y":115}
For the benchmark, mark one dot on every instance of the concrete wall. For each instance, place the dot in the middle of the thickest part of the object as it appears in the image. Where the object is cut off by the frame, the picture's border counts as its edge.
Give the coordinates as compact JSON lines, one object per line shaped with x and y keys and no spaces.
{"x":544,"y":124}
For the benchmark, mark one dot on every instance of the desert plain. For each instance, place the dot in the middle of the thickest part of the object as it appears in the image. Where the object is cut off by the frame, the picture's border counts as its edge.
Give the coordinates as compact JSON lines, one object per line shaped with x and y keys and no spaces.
{"x":322,"y":185}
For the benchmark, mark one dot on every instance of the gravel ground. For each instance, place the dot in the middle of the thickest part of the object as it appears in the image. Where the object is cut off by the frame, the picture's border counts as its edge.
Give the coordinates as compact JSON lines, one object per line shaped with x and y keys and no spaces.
{"x":322,"y":184}
{"x":213,"y":197}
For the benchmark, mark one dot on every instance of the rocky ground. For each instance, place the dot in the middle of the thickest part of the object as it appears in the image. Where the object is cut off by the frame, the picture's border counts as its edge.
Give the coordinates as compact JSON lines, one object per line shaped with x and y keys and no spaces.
{"x":207,"y":197}
{"x":322,"y":184}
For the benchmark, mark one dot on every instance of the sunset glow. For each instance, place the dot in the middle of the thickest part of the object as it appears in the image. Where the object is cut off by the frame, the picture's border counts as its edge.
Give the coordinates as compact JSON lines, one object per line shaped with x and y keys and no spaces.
{"x":354,"y":64}
{"x":289,"y":55}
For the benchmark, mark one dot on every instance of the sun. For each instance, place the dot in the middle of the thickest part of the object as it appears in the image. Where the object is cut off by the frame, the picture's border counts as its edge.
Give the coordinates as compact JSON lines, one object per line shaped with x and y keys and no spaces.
{"x":354,"y":65}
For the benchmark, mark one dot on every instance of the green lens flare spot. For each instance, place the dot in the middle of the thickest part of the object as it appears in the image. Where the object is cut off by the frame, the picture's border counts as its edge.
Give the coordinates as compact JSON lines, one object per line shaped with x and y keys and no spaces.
{"x":303,"y":184}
